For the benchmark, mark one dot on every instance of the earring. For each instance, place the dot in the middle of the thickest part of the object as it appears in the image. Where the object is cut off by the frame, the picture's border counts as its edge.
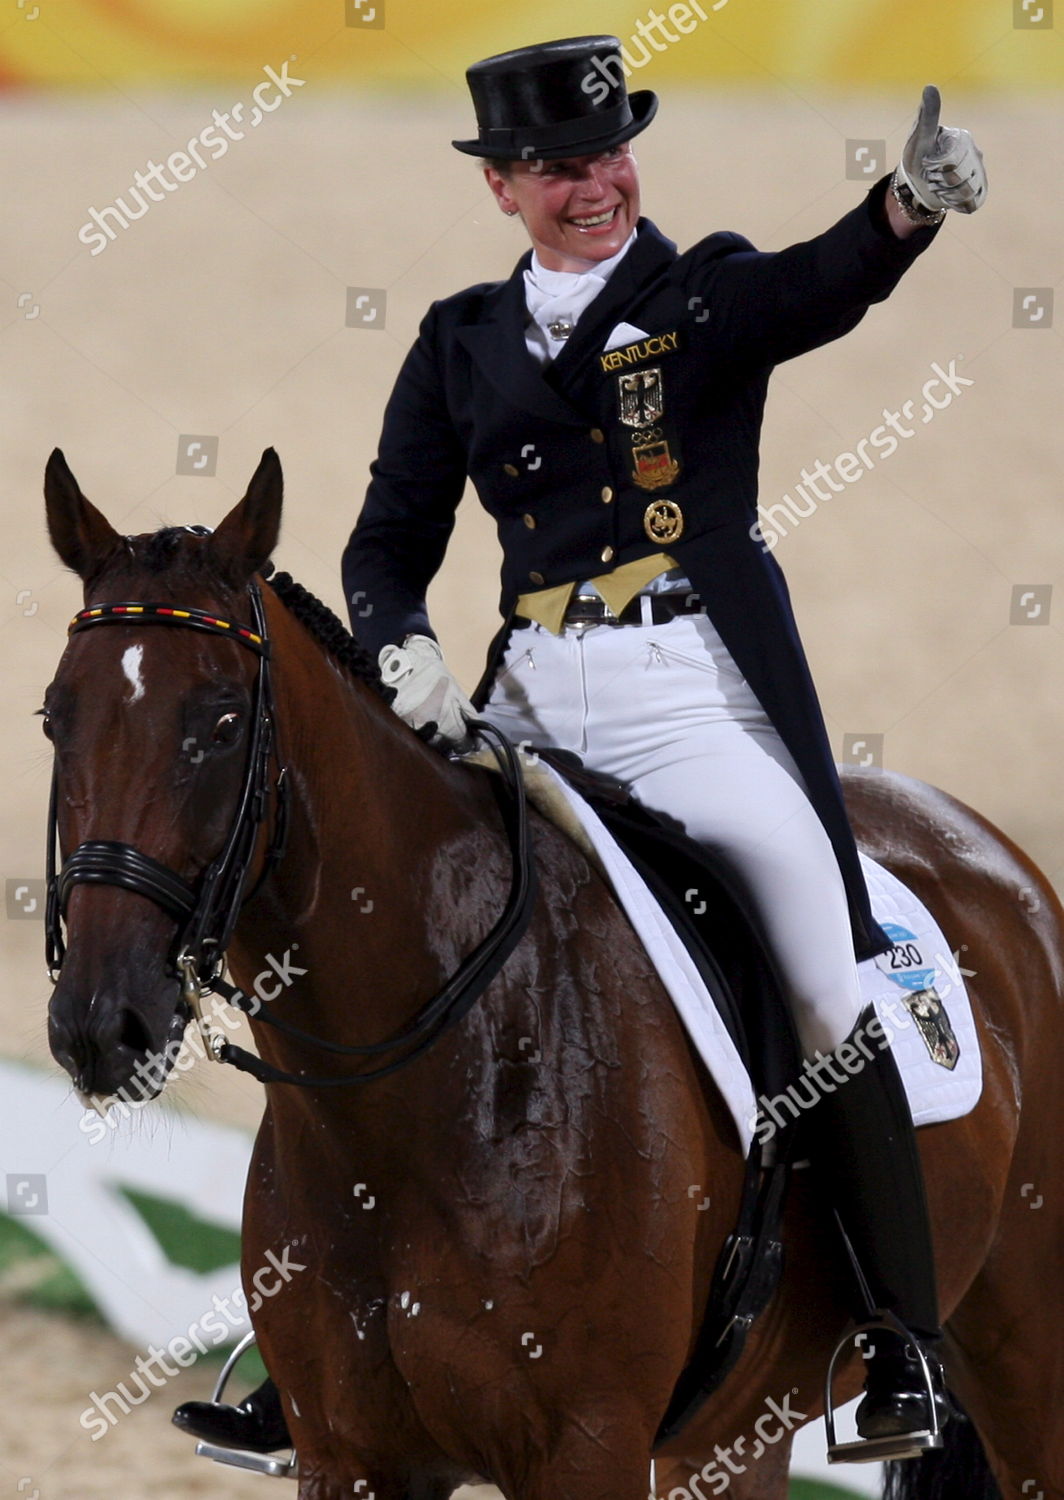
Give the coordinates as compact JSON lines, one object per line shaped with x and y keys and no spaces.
{"x":509,"y":212}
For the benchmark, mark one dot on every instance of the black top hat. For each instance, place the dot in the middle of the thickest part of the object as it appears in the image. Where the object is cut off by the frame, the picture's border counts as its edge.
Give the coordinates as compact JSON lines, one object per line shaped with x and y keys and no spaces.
{"x":564,"y":98}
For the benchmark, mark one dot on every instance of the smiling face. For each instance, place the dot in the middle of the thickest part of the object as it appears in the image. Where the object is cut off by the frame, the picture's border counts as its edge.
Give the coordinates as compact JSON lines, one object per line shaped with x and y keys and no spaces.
{"x":578,"y":211}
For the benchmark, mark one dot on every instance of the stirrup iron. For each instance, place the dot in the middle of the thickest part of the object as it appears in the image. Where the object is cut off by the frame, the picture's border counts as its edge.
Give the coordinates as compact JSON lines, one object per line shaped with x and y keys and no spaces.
{"x":898,"y":1445}
{"x":243,"y":1458}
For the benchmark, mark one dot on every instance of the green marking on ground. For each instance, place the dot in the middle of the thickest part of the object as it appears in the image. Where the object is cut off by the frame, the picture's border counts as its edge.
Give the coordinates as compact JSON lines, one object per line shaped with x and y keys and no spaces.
{"x":186,"y":1240}
{"x":30,"y":1272}
{"x":33,"y":1275}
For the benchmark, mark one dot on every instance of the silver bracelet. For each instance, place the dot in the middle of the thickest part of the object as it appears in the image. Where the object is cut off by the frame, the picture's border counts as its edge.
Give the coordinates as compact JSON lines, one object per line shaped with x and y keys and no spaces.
{"x":915,"y":212}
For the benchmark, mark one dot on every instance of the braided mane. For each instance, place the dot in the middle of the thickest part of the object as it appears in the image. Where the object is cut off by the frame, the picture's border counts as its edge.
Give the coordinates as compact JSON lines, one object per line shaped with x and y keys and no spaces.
{"x":329,"y":631}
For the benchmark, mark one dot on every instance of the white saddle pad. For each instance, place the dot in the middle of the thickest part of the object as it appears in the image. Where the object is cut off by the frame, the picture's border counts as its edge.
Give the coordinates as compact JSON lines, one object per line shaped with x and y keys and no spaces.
{"x":934,"y":1045}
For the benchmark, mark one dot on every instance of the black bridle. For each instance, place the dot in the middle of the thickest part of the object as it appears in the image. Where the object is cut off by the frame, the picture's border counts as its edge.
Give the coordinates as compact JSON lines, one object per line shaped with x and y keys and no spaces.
{"x":207,"y":911}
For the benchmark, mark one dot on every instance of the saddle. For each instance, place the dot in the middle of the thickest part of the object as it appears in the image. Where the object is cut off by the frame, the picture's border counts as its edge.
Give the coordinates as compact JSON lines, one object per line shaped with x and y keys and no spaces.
{"x":712,"y":913}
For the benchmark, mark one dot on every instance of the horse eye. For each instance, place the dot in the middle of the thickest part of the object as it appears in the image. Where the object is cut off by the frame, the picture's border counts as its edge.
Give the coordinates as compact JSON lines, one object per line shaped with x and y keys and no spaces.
{"x":46,"y":722}
{"x":227,"y":730}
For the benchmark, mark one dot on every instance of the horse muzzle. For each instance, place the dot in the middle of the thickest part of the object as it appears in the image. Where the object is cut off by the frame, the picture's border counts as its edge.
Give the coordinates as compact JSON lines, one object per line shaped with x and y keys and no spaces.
{"x":112,"y":1044}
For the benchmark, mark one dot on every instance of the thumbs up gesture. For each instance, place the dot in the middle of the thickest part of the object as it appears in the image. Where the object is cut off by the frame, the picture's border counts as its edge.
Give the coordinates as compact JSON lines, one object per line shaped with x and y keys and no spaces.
{"x":941,"y":166}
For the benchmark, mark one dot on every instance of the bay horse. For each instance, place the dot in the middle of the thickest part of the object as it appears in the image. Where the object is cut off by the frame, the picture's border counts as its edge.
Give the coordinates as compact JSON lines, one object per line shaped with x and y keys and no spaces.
{"x":499,"y":1256}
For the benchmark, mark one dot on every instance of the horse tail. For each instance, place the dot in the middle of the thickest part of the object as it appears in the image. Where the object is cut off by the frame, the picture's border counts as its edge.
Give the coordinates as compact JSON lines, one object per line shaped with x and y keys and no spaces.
{"x":957,"y":1471}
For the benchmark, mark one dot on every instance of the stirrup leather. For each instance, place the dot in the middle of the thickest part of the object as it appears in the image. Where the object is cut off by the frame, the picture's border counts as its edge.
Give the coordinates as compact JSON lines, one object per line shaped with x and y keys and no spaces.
{"x":243,"y":1458}
{"x":897,"y":1445}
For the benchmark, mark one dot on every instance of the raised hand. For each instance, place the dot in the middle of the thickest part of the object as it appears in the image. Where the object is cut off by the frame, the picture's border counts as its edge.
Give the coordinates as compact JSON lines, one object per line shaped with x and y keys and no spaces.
{"x":941,"y":166}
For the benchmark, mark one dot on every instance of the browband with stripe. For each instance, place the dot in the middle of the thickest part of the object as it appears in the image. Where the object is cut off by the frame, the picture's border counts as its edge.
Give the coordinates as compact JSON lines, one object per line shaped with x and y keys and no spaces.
{"x":167,"y":614}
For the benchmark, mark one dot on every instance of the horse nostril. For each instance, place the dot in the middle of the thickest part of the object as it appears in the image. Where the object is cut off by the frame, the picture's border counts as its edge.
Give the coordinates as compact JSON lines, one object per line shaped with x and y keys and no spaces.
{"x":133,"y":1032}
{"x":98,"y":1044}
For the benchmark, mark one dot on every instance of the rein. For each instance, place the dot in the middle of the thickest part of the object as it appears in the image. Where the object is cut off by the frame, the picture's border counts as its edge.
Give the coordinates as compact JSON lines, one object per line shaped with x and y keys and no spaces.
{"x":462,"y":990}
{"x":208,"y":910}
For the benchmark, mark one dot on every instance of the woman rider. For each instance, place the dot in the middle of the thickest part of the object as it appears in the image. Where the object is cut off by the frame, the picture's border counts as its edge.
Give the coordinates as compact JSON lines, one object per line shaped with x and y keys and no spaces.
{"x":606,"y":401}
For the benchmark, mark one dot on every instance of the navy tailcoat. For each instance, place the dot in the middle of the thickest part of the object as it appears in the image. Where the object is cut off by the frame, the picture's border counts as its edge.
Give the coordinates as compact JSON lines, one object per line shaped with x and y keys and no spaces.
{"x":545,"y":446}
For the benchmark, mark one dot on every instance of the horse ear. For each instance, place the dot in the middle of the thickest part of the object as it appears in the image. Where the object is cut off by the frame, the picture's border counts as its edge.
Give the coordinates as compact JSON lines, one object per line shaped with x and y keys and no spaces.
{"x":246,"y":538}
{"x":80,"y":534}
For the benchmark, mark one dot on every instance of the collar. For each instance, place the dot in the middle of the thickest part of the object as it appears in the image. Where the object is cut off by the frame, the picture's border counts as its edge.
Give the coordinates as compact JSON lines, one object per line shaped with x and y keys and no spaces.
{"x":556,"y":300}
{"x":558,"y":283}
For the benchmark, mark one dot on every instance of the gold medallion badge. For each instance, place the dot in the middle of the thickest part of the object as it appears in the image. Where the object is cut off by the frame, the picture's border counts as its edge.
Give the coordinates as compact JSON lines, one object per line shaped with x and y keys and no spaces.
{"x":663,"y":520}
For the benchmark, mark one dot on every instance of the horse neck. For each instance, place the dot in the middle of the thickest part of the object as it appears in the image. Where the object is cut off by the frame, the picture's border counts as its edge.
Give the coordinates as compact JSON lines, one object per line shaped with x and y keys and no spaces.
{"x":383,"y":831}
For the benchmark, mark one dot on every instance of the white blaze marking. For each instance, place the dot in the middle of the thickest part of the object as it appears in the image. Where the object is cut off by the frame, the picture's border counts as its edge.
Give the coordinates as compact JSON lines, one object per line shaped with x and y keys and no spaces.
{"x":131,"y":657}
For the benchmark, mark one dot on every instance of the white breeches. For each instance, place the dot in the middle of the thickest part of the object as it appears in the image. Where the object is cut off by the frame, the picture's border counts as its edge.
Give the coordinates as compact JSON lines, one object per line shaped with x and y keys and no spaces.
{"x":664,"y":709}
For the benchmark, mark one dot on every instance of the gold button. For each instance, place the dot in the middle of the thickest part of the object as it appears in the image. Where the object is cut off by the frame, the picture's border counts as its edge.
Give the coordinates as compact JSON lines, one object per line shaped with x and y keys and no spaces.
{"x":536,"y":577}
{"x":597,"y":435}
{"x":512,"y":470}
{"x":530,"y":522}
{"x":607,"y":494}
{"x":606,"y":554}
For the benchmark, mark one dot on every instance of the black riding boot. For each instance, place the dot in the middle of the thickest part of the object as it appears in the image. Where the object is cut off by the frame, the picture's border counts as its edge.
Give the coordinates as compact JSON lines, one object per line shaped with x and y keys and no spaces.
{"x":868,"y":1156}
{"x":257,"y":1423}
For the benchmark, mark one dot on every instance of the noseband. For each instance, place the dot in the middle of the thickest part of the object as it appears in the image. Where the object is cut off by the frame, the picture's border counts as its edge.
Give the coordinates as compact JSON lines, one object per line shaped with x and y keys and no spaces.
{"x":206,"y":911}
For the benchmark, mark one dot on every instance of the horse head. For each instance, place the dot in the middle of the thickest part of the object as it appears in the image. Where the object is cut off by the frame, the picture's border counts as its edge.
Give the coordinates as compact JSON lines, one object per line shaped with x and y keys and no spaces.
{"x":154,"y":733}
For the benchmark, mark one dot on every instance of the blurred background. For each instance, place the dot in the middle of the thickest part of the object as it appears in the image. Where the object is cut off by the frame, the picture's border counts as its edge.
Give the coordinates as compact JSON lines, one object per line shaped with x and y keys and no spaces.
{"x":269,"y":296}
